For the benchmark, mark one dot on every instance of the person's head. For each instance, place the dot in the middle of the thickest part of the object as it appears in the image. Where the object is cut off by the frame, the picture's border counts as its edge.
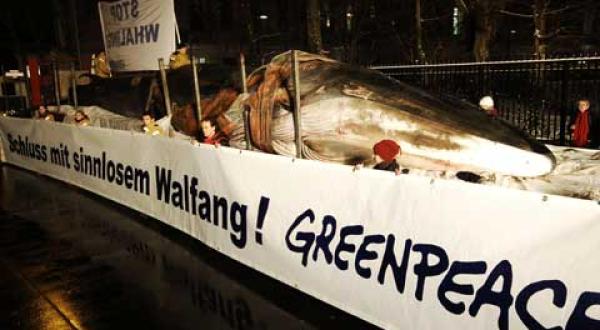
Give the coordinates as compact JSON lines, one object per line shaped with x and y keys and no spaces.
{"x":209,"y":127}
{"x":80,"y":115}
{"x":42,"y":109}
{"x":486,"y":103}
{"x":148,"y":119}
{"x":386,"y":150}
{"x":179,"y":58}
{"x":583,"y":105}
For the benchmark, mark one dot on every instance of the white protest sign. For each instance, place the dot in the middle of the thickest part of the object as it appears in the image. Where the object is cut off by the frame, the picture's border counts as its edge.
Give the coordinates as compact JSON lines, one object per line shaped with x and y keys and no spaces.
{"x":402,"y":252}
{"x":137,"y":32}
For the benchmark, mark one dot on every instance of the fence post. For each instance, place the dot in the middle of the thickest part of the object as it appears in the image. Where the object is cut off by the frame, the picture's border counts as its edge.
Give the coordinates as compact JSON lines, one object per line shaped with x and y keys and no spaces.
{"x":243,"y":72}
{"x":246,"y":108}
{"x":297,"y":116}
{"x":563,"y":102}
{"x":56,"y":85}
{"x":197,"y":89}
{"x":74,"y":86}
{"x":26,"y":86}
{"x":165,"y":85}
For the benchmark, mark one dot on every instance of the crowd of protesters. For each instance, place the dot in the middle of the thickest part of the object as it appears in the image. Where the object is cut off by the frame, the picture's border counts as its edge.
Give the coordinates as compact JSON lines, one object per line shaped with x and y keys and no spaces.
{"x":584,"y":122}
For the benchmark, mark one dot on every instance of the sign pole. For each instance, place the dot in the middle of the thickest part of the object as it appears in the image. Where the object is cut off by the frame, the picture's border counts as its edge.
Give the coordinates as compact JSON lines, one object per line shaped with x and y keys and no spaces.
{"x":197,"y":88}
{"x":74,"y":86}
{"x":246,"y":108}
{"x":56,"y":85}
{"x":165,"y":85}
{"x":297,"y":116}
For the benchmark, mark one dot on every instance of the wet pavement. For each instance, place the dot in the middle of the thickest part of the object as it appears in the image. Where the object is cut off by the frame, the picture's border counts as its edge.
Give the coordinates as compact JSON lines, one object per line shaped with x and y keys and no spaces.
{"x":72,"y":260}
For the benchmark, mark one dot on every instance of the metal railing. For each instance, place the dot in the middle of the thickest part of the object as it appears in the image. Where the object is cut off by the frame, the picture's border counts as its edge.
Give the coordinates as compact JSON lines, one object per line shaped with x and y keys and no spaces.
{"x":537,"y":96}
{"x":58,"y":83}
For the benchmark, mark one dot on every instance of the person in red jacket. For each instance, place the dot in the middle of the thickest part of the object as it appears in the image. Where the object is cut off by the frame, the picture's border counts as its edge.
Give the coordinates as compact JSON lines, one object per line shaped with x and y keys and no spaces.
{"x":211,"y":134}
{"x":580,"y":124}
{"x":385,"y":152}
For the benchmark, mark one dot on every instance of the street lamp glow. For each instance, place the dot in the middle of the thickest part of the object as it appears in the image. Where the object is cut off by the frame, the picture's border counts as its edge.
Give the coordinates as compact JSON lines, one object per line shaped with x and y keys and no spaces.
{"x":455,"y":22}
{"x":263,"y":17}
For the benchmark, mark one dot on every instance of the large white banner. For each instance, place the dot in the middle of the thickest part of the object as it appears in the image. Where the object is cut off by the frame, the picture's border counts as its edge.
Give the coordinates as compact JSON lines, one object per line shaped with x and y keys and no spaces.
{"x":403,"y":252}
{"x":137,"y":32}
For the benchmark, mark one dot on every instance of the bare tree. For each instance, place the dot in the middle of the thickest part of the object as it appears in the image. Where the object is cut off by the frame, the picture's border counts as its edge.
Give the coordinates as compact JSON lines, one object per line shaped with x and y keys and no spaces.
{"x":482,"y":17}
{"x":539,"y":18}
{"x":589,"y":18}
{"x":356,"y":16}
{"x":541,"y":13}
{"x":419,"y":32}
{"x":313,"y":25}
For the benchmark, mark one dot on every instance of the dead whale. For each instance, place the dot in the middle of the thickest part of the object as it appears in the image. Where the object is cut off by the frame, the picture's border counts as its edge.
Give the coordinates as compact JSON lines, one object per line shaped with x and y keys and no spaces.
{"x":347,"y":109}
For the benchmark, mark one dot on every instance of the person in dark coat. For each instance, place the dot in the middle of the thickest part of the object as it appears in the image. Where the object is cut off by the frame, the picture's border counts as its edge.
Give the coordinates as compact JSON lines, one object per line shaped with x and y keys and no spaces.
{"x":43,"y":114}
{"x":385,"y":152}
{"x":150,"y":126}
{"x":487,"y":104}
{"x":81,"y":119}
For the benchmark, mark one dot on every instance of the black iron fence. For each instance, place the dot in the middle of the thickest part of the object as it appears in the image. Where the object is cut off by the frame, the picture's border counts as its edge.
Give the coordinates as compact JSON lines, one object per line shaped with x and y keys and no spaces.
{"x":539,"y":96}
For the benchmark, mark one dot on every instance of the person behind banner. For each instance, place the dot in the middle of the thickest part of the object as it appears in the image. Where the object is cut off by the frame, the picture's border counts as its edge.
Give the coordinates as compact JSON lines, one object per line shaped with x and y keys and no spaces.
{"x":42,"y":113}
{"x":487,"y":104}
{"x":100,"y":66}
{"x":211,"y":133}
{"x":385,"y":153}
{"x":150,"y":125}
{"x":179,"y":58}
{"x":584,"y":125}
{"x":81,"y":119}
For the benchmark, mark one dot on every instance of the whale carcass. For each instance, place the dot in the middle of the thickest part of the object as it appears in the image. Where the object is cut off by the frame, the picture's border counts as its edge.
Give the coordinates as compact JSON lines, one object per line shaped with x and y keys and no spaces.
{"x":347,"y":109}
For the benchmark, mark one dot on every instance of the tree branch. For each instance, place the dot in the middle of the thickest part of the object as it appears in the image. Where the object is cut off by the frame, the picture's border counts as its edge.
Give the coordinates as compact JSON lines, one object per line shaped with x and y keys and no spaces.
{"x":462,"y":5}
{"x":512,"y":13}
{"x":558,"y":11}
{"x":425,"y":20}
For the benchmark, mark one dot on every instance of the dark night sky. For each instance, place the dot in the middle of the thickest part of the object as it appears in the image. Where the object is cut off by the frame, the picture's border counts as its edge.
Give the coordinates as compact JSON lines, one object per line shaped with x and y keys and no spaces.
{"x":30,"y":27}
{"x":387,"y":34}
{"x":25,"y":25}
